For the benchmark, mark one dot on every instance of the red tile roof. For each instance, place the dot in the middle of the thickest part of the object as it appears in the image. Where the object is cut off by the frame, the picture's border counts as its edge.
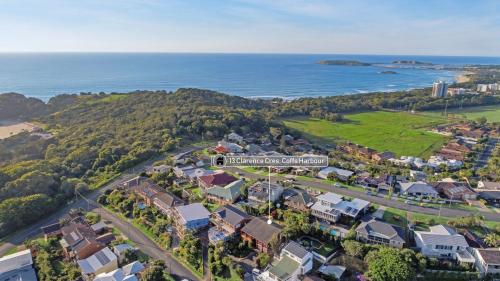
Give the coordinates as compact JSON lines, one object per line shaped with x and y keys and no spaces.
{"x":220,"y":179}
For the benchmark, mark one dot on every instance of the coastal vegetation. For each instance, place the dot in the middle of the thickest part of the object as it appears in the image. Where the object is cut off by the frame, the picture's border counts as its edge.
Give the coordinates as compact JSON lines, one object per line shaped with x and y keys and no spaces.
{"x":399,"y":132}
{"x":98,"y":136}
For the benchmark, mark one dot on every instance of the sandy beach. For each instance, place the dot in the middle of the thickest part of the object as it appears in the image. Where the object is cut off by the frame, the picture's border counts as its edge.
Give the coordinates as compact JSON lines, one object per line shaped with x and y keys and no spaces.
{"x":11,"y":128}
{"x":464,"y":77}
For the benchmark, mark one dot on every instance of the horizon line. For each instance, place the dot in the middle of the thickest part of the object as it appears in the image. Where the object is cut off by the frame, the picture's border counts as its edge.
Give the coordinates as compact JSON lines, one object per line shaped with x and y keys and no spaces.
{"x":238,"y":53}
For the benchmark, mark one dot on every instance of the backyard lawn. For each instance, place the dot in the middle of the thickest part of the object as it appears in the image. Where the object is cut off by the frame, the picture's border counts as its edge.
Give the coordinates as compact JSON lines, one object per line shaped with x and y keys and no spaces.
{"x":399,"y":132}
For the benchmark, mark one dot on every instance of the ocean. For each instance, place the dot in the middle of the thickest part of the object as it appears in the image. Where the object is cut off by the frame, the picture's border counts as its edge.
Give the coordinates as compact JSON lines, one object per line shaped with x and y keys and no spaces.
{"x":44,"y":75}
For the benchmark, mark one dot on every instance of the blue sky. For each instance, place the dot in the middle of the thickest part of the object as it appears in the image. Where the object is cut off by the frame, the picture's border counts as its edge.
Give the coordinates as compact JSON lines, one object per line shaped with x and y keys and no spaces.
{"x":420,"y":27}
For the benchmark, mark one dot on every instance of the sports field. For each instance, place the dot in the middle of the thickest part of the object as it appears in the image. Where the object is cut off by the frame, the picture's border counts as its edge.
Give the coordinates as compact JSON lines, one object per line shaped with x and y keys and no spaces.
{"x":491,"y":112}
{"x":401,"y":133}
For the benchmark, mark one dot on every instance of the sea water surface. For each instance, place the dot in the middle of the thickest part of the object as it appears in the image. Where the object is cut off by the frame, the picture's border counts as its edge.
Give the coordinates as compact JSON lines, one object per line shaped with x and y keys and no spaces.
{"x":44,"y":75}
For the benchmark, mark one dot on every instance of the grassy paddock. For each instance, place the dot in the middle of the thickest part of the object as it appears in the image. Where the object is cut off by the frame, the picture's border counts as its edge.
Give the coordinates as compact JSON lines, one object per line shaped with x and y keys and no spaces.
{"x":399,"y":132}
{"x":491,"y":112}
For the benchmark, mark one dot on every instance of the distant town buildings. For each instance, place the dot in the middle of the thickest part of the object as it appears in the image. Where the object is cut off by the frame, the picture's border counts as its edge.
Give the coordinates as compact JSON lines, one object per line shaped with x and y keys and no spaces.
{"x":456,"y":91}
{"x":439,"y":89}
{"x":487,"y":88}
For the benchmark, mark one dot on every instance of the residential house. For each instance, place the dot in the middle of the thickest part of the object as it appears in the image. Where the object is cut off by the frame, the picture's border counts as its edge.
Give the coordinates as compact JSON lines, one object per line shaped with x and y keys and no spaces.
{"x":444,"y":243}
{"x":128,"y":272}
{"x":332,"y":207}
{"x":253,"y":149}
{"x":455,"y":190}
{"x":298,"y":200}
{"x":234,"y":137}
{"x":166,"y":201}
{"x":417,"y":189}
{"x":147,"y":190}
{"x":382,"y":156}
{"x":228,"y":147}
{"x":487,"y":260}
{"x":491,"y":196}
{"x":120,"y":250}
{"x":262,"y":192}
{"x":366,"y":152}
{"x":192,"y":217}
{"x":51,"y":230}
{"x":181,"y":171}
{"x":159,"y":169}
{"x":100,"y":262}
{"x":378,"y":232}
{"x":385,"y":182}
{"x":488,"y":185}
{"x":79,"y":241}
{"x":194,"y":174}
{"x":225,"y":194}
{"x":100,"y":227}
{"x":336,"y":271}
{"x":17,"y":267}
{"x":417,"y":175}
{"x":228,"y":221}
{"x":260,"y":234}
{"x":217,"y":179}
{"x":341,"y":174}
{"x":294,"y":262}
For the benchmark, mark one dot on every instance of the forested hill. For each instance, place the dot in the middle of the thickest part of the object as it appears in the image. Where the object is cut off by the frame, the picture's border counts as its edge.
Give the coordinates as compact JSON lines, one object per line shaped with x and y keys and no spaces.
{"x":17,"y":106}
{"x":98,"y":136}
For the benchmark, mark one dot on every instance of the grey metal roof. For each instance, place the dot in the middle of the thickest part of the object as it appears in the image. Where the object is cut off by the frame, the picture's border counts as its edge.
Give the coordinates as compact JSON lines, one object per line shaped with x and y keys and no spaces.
{"x":379,"y":228}
{"x":15,"y":261}
{"x":417,"y":187}
{"x":193,"y":212}
{"x":260,"y":230}
{"x":231,"y":214}
{"x":441,"y":236}
{"x":295,"y":249}
{"x":133,"y":268}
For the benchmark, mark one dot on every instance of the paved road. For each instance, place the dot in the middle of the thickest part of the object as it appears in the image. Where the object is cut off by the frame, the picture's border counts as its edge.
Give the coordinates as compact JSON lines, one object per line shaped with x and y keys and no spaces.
{"x":145,"y":244}
{"x":445,"y":212}
{"x":150,"y":248}
{"x":482,"y":160}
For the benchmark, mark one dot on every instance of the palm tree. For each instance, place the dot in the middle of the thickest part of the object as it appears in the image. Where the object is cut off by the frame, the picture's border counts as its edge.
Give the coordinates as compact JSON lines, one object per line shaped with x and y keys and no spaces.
{"x":492,"y":239}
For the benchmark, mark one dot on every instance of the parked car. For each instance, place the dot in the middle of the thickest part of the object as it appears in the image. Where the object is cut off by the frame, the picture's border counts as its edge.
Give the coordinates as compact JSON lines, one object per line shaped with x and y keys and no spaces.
{"x":409,"y":202}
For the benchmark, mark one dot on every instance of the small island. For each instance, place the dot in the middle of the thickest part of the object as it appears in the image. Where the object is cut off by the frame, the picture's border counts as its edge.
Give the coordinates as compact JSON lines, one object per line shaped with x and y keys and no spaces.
{"x":343,"y":62}
{"x":388,"y":72}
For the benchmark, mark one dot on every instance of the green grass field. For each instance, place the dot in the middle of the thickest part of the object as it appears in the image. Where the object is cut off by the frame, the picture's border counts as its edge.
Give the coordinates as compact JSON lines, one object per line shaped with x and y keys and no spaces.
{"x":399,"y":132}
{"x":491,"y":112}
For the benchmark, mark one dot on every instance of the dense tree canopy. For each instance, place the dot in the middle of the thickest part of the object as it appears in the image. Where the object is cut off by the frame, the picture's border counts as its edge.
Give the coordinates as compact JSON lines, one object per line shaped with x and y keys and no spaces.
{"x":97,"y":136}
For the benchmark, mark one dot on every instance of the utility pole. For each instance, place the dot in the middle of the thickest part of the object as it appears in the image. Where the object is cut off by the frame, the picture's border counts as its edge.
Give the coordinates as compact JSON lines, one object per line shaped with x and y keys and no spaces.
{"x":446,"y":109}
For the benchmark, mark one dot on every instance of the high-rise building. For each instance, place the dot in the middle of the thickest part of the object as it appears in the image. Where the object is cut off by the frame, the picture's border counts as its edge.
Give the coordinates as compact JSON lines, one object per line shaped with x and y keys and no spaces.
{"x":439,"y":89}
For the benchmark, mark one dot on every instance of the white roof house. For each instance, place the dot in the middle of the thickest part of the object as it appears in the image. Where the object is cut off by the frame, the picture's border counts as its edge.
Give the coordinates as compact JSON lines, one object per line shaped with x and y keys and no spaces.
{"x":17,"y":266}
{"x":191,"y":217}
{"x":126,"y":273}
{"x":331,"y":206}
{"x":443,"y":242}
{"x":102,"y":261}
{"x":341,"y":173}
{"x":294,"y":261}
